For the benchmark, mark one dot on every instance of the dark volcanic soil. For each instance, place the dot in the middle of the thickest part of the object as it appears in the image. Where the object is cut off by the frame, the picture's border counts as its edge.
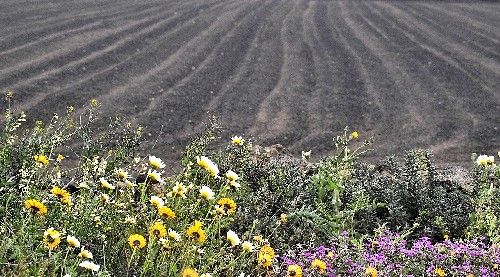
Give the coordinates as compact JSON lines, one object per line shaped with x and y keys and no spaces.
{"x":409,"y":73}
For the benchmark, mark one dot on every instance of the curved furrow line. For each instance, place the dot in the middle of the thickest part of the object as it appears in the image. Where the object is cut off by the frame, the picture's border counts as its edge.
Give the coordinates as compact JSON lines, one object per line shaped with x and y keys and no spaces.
{"x":193,"y":92}
{"x":459,"y":30}
{"x":49,"y":41}
{"x":487,"y":27}
{"x":181,"y":61}
{"x":256,"y":75}
{"x":456,"y":54}
{"x":281,"y":116}
{"x":112,"y":71}
{"x":486,"y":33}
{"x":26,"y":33}
{"x":463,"y":95}
{"x":412,"y":112}
{"x":482,"y":10}
{"x":77,"y":62}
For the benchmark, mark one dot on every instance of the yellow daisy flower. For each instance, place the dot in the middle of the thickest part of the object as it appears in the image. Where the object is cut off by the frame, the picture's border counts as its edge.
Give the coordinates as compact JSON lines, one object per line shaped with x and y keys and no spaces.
{"x":157,"y":230}
{"x":63,"y":195}
{"x":233,"y":238}
{"x":35,"y":206}
{"x":294,"y":270}
{"x":73,"y":241}
{"x":319,"y":265}
{"x":439,"y":272}
{"x":237,"y":140}
{"x":89,"y":266}
{"x":189,"y":272}
{"x":105,"y":184}
{"x":206,"y":193}
{"x":208,"y":165}
{"x":122,"y":174}
{"x":156,"y":163}
{"x":166,"y":212}
{"x":228,"y":204}
{"x":265,"y":256}
{"x":179,"y":190}
{"x":174,"y":235}
{"x":354,"y":135}
{"x":231,"y":175}
{"x":157,"y":202}
{"x":136,"y":241}
{"x":41,"y":160}
{"x":60,"y":158}
{"x":154,"y":176}
{"x":247,"y":246}
{"x":196,"y":233}
{"x":84,"y":253}
{"x":51,"y":238}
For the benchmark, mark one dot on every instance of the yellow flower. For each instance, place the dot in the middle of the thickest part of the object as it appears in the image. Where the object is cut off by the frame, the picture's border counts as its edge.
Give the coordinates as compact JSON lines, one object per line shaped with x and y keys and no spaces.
{"x":265,"y":256}
{"x":319,"y":265}
{"x":51,"y":238}
{"x":156,"y":163}
{"x":247,"y":246}
{"x":94,"y":102}
{"x":60,"y":158}
{"x":154,"y":176}
{"x":122,"y":174}
{"x":157,"y":202}
{"x":174,"y":235}
{"x":179,"y":190}
{"x":105,"y":184}
{"x":371,"y":271}
{"x":228,"y":204}
{"x":485,"y":160}
{"x":233,"y":238}
{"x":41,"y":160}
{"x":196,"y":233}
{"x":231,"y":175}
{"x":35,"y":206}
{"x":258,"y":238}
{"x":104,"y":198}
{"x":237,"y":140}
{"x":234,"y":184}
{"x":206,"y":193}
{"x":157,"y":230}
{"x":85,"y":254}
{"x":136,"y":241}
{"x":283,"y":218}
{"x":63,"y":195}
{"x":219,"y":210}
{"x":166,"y":212}
{"x":189,"y":272}
{"x":294,"y":270}
{"x":354,"y":135}
{"x":439,"y":272}
{"x":73,"y":241}
{"x":89,"y":266}
{"x":208,"y":165}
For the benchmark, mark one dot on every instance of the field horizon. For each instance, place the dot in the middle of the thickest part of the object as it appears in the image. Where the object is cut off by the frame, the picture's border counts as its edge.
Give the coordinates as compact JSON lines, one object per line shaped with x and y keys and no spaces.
{"x":411,"y":74}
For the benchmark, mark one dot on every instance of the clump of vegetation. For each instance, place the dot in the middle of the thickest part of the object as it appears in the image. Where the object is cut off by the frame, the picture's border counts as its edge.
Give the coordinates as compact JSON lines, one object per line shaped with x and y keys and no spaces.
{"x":77,"y":200}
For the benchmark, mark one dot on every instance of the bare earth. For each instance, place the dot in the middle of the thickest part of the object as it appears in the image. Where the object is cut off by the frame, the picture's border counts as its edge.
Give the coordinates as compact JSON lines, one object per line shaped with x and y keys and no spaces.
{"x":409,"y":73}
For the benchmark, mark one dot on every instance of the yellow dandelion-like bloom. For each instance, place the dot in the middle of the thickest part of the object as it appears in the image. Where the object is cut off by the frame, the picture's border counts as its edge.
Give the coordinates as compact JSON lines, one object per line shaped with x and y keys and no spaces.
{"x":60,"y":158}
{"x":371,"y":271}
{"x":156,"y":163}
{"x":265,"y":256}
{"x":231,"y":175}
{"x":233,"y":238}
{"x":157,"y":202}
{"x":237,"y":140}
{"x":122,"y":174}
{"x":283,"y":218}
{"x":35,"y":206}
{"x":157,"y":230}
{"x":206,"y":193}
{"x":179,"y":190}
{"x":485,"y":160}
{"x":154,"y":176}
{"x":247,"y":246}
{"x":73,"y":241}
{"x":63,"y":195}
{"x":174,"y":235}
{"x":319,"y":265}
{"x":354,"y":135}
{"x":439,"y":272}
{"x":89,"y":266}
{"x":189,"y":272}
{"x":41,"y":160}
{"x":294,"y":270}
{"x":166,"y":212}
{"x":136,"y":241}
{"x":228,"y":204}
{"x":196,"y":233}
{"x":105,"y":184}
{"x":84,"y":253}
{"x":208,"y":165}
{"x":51,"y":238}
{"x":219,"y":210}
